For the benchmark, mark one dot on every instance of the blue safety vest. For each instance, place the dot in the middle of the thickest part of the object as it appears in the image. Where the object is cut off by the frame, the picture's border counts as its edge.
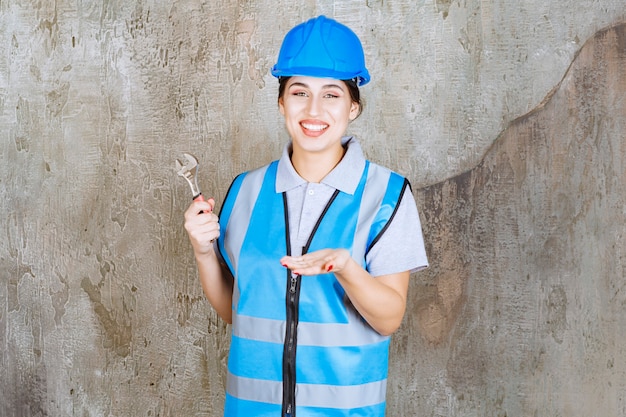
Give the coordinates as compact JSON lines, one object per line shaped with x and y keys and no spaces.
{"x":298,"y":346}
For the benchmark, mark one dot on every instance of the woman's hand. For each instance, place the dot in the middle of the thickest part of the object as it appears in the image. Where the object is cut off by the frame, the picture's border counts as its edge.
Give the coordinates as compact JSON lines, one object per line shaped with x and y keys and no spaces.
{"x":381,"y":300}
{"x":318,"y":262}
{"x":202,"y":226}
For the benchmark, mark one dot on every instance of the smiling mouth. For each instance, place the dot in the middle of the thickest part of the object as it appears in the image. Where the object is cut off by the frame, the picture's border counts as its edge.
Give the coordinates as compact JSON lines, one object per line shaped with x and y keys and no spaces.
{"x":314,"y":127}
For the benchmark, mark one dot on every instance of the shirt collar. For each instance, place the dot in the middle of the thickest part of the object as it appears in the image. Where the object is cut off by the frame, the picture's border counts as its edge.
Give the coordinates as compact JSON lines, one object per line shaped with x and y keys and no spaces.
{"x":344,"y":177}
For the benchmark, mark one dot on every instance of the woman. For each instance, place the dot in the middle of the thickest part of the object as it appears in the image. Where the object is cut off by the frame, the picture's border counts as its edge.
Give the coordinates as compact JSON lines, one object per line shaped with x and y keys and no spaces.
{"x":311,"y":255}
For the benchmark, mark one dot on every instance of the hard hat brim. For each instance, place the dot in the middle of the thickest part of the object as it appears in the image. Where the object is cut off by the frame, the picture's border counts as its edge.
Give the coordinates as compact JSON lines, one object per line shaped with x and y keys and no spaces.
{"x":362,"y":78}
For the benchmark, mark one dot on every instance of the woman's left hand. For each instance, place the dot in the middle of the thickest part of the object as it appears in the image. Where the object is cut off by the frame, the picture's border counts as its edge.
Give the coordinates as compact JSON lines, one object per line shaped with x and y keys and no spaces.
{"x":381,"y":300}
{"x":319,"y":262}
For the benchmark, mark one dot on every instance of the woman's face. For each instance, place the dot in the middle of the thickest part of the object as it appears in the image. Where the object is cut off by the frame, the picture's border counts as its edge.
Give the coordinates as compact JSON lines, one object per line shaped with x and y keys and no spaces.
{"x":317,"y":112}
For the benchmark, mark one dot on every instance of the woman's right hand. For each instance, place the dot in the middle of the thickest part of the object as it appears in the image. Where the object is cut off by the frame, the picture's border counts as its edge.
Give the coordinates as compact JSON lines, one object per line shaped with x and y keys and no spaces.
{"x":202,"y":226}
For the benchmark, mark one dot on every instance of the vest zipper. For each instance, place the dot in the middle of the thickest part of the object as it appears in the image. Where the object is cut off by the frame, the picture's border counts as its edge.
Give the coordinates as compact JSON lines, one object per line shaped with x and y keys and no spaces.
{"x":292,"y":304}
{"x":289,"y":352}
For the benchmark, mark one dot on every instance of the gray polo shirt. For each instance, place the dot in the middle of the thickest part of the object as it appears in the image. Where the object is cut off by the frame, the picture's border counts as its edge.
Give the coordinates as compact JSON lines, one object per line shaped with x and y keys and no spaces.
{"x":400,"y":248}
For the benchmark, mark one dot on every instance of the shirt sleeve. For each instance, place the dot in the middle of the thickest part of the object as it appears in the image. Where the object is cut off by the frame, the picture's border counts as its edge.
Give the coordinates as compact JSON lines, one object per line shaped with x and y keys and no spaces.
{"x":401,"y":247}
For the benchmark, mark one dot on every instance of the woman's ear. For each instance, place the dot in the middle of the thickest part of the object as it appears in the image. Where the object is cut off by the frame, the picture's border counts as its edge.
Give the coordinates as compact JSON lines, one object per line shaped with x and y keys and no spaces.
{"x":355,"y":110}
{"x":281,"y":106}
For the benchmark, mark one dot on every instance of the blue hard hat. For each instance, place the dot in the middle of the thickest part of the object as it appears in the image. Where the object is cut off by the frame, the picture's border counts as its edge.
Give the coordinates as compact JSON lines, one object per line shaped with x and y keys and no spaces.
{"x":322,"y":47}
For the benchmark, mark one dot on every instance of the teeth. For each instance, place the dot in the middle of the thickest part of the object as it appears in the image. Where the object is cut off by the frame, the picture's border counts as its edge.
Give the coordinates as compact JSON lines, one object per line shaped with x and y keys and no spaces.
{"x":316,"y":128}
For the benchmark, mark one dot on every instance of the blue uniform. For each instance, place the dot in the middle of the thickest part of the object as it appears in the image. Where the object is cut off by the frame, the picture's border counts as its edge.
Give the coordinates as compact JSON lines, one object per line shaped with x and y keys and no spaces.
{"x":298,"y":345}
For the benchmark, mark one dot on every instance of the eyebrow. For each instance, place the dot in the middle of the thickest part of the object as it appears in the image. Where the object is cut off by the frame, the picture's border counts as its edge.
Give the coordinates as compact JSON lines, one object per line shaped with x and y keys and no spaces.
{"x":300,"y":84}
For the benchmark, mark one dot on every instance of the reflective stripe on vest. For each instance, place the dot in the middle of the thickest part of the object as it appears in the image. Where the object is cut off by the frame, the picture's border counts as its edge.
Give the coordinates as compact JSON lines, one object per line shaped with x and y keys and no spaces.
{"x":341,"y":362}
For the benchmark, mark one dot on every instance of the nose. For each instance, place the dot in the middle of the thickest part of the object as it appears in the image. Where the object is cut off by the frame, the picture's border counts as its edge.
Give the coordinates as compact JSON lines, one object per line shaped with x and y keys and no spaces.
{"x":315,"y":105}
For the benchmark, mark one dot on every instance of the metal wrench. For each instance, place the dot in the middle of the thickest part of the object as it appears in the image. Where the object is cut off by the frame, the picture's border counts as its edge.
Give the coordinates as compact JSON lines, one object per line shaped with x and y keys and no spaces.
{"x":188,"y":171}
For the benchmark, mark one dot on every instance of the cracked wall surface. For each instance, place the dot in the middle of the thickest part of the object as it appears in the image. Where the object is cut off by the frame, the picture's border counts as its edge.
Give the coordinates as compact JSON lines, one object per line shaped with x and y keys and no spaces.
{"x":521,"y":313}
{"x":508,"y":118}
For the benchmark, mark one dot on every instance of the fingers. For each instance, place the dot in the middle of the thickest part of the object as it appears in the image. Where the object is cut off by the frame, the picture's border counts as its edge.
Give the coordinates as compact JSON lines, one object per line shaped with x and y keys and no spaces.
{"x":314,"y":263}
{"x":202,"y":225}
{"x":199,"y":207}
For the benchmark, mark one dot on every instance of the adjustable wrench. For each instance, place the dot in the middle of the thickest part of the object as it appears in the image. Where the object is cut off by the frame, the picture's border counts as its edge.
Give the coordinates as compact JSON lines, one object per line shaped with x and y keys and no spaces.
{"x":188,"y":171}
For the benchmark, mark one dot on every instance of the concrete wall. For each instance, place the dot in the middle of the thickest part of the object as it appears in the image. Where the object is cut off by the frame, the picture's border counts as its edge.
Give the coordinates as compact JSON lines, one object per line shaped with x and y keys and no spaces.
{"x":508,"y":117}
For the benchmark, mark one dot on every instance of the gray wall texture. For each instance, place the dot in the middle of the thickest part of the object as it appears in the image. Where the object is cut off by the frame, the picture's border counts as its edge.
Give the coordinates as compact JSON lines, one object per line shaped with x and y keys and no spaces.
{"x":509,"y":118}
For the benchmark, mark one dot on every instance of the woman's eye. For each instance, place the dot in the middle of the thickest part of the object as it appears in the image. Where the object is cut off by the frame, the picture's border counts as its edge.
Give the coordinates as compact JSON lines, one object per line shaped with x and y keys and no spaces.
{"x":331,"y":95}
{"x":299,"y":93}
